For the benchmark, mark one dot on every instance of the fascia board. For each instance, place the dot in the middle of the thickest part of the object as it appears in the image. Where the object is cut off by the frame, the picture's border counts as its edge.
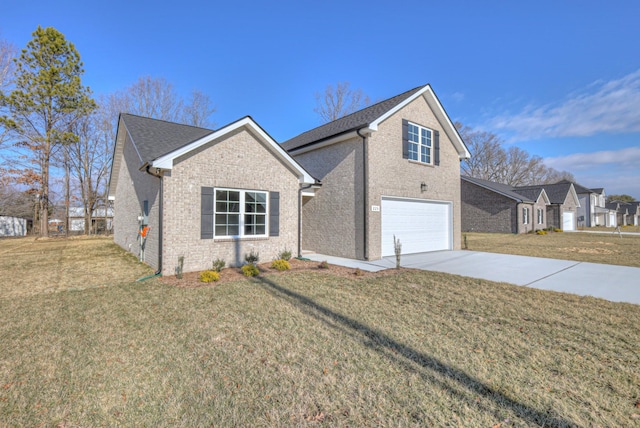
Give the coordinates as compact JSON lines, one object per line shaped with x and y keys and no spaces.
{"x":327,"y":142}
{"x":166,"y":161}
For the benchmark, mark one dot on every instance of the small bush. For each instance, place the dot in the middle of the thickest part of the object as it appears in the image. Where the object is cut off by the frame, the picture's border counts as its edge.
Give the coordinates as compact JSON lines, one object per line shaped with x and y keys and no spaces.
{"x":557,"y":230}
{"x":209,"y":276}
{"x":284,"y":255}
{"x":358,"y":272}
{"x":280,"y":265}
{"x":218,"y":265}
{"x":397,"y":249}
{"x":250,"y":270}
{"x":324,"y":265}
{"x":180,"y":267}
{"x":541,"y":232}
{"x":252,"y":258}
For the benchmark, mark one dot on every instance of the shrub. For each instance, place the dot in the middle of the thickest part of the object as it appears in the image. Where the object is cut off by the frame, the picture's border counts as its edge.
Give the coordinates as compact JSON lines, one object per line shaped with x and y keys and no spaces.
{"x":180,"y":267}
{"x":324,"y":265}
{"x":358,"y":272}
{"x":557,"y":230}
{"x":397,"y":249}
{"x":541,"y":232}
{"x":209,"y":276}
{"x":284,"y":255}
{"x":280,"y":265}
{"x":218,"y":265}
{"x":252,"y":258}
{"x":250,"y":270}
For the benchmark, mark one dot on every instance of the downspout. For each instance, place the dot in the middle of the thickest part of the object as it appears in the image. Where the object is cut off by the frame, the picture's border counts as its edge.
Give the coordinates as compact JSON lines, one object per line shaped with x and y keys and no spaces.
{"x":308,"y":186}
{"x":160,"y":207}
{"x":365,"y":196}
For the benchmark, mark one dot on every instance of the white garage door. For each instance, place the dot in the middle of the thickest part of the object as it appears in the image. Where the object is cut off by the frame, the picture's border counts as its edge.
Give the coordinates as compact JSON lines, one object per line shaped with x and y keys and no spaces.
{"x":568,"y":221}
{"x":419,"y":225}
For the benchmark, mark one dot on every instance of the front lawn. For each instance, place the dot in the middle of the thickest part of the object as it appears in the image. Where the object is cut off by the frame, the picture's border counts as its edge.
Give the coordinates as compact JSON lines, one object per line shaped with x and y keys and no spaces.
{"x":311,"y":348}
{"x":608,"y":248}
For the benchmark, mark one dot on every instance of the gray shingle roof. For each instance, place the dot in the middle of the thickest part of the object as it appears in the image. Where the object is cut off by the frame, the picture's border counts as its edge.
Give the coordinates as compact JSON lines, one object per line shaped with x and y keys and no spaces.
{"x":502,"y":189}
{"x":351,"y":122}
{"x":557,"y":192}
{"x":154,"y":138}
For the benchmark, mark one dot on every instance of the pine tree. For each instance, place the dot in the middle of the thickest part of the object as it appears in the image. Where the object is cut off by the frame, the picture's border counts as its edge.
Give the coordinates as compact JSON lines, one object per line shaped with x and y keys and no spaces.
{"x":47,"y":99}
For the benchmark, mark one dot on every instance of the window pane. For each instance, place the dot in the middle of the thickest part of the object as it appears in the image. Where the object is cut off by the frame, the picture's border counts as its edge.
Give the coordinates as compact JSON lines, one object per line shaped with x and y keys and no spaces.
{"x":234,"y":196}
{"x":413,"y":151}
{"x":233,"y":230}
{"x":426,"y":137}
{"x":261,"y":229}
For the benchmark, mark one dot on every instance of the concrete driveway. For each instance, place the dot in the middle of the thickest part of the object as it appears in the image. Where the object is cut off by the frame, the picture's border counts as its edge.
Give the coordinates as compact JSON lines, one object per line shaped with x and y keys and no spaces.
{"x":614,"y":283}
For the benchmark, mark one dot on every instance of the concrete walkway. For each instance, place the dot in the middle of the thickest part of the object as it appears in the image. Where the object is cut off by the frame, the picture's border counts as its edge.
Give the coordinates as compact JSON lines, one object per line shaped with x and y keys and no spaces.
{"x":614,"y":283}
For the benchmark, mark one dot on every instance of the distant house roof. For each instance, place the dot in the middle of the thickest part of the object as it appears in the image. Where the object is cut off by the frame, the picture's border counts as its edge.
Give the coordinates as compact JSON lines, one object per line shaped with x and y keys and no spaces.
{"x":557,"y":192}
{"x":370,"y":117}
{"x":504,"y":189}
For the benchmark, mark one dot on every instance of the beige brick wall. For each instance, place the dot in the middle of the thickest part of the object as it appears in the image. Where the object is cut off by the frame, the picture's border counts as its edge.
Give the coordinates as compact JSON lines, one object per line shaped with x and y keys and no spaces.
{"x":135,"y":186}
{"x":391,"y":175}
{"x":333,"y":219}
{"x":239,"y":161}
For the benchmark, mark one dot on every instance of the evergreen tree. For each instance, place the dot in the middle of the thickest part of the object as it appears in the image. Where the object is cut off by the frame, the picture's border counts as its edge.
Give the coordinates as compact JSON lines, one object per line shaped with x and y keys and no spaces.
{"x":47,"y":99}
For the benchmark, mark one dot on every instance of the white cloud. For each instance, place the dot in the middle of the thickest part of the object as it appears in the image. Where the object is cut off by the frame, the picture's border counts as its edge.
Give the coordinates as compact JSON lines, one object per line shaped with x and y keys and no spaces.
{"x":624,"y":158}
{"x":609,"y":107}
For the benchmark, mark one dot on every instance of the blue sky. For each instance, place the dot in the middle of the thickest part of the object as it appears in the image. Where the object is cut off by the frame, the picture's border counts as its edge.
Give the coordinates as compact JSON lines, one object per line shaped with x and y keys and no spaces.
{"x":560,"y":79}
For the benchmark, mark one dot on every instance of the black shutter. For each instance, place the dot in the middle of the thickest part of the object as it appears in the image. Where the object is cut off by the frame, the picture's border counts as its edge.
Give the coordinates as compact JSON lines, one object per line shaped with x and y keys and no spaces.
{"x":206,"y":213}
{"x":274,"y":213}
{"x":436,"y":148}
{"x":405,"y":139}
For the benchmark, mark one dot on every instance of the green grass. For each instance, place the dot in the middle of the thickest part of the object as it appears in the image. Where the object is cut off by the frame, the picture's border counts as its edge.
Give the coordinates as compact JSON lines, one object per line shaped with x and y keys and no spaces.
{"x":303,"y":349}
{"x":607,"y":248}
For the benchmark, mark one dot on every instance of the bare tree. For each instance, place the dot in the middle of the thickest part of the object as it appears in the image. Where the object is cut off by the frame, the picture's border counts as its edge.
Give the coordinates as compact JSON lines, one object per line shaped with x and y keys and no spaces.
{"x":7,"y":67}
{"x":513,"y":166}
{"x":155,"y":97}
{"x":339,"y":101}
{"x":198,"y":110}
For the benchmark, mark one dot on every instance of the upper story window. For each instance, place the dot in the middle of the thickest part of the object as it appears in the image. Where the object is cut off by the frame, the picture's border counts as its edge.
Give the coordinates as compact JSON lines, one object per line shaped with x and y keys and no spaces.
{"x":420,"y":143}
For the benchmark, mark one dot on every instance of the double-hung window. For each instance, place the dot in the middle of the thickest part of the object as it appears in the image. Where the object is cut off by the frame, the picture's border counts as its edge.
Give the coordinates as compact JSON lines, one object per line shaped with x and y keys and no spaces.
{"x":525,"y":215}
{"x":420,"y":143}
{"x":240,"y":213}
{"x":540,"y":216}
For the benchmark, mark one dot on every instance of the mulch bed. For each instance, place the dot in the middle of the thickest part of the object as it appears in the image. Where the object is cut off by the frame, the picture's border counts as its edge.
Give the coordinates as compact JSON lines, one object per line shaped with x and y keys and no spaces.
{"x":192,"y":279}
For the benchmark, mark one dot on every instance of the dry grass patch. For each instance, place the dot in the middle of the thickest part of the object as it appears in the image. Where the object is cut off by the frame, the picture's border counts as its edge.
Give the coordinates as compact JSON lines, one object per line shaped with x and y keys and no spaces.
{"x":585,"y":247}
{"x":312,"y":347}
{"x":29,"y":266}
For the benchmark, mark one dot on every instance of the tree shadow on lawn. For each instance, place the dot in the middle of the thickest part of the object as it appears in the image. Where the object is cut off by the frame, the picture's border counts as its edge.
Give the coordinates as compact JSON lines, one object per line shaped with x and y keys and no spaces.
{"x":408,"y":358}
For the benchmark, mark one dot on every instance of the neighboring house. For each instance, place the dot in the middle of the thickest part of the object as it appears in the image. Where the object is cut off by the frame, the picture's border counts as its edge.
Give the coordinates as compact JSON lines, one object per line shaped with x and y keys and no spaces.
{"x":13,"y":226}
{"x":628,"y":213}
{"x":633,"y":219}
{"x":389,"y":170}
{"x":185,"y":196}
{"x":101,"y":218}
{"x":499,"y":208}
{"x":604,"y":216}
{"x":563,"y":203}
{"x":592,"y":210}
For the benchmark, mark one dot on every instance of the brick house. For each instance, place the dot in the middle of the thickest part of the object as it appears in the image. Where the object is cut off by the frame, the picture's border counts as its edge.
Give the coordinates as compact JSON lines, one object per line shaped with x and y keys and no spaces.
{"x":494,"y":207}
{"x":181,"y":191}
{"x":563,"y":203}
{"x":391,"y":169}
{"x":345,"y":188}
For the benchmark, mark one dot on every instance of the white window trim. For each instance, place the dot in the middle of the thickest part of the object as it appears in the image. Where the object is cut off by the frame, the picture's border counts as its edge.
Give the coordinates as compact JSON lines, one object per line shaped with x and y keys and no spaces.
{"x":241,"y":213}
{"x":420,"y":145}
{"x":540,"y":216}
{"x":525,"y":215}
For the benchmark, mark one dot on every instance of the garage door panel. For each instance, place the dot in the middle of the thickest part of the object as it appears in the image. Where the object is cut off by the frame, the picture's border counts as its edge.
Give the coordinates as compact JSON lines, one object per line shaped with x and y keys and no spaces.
{"x":419,"y":225}
{"x":568,"y":221}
